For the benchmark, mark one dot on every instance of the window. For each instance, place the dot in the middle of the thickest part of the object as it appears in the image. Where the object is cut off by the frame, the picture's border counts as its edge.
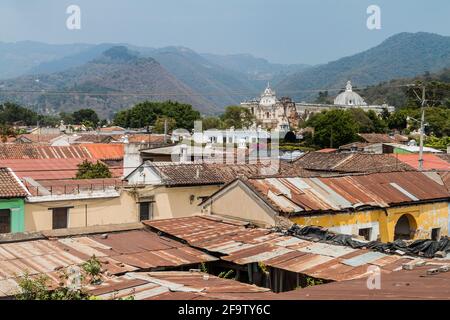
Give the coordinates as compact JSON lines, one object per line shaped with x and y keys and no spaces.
{"x":60,"y":218}
{"x":145,"y":211}
{"x":5,"y":221}
{"x":366,"y":233}
{"x":436,"y":234}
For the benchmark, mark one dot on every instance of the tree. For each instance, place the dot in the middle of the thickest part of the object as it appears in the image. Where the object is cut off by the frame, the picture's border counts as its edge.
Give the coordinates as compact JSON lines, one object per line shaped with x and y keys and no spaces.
{"x":40,"y":287}
{"x":211,"y":123}
{"x":237,"y":117}
{"x":146,"y":113}
{"x":6,"y":132}
{"x":159,"y":124}
{"x":333,"y":128}
{"x":85,"y":116}
{"x":89,"y":170}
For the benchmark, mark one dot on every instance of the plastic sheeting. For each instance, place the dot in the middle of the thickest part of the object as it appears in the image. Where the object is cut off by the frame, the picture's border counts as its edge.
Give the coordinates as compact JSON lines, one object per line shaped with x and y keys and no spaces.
{"x":423,"y":248}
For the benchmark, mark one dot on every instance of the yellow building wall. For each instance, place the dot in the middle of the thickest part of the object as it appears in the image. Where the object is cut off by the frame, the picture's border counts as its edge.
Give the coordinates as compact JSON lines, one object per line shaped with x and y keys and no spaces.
{"x":89,"y":212}
{"x":427,"y":217}
{"x":176,"y":202}
{"x":236,"y":203}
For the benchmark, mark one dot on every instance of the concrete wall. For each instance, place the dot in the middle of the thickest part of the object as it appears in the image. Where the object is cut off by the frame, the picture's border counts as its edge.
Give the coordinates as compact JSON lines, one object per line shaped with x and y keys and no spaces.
{"x":90,"y":212}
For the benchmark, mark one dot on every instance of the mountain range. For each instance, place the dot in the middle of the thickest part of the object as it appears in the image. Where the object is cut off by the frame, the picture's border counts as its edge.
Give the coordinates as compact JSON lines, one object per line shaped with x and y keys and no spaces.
{"x":403,"y":55}
{"x":109,"y":77}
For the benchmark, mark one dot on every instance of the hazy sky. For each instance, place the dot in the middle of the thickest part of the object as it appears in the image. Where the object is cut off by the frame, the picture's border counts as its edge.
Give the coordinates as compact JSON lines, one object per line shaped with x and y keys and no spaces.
{"x":287,"y":31}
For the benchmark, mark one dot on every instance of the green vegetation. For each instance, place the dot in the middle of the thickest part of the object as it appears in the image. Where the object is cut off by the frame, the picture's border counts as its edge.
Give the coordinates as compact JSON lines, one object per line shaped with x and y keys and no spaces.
{"x":12,"y":114}
{"x":333,"y":128}
{"x":89,"y":170}
{"x":41,"y":287}
{"x":147,"y":113}
{"x":237,"y":117}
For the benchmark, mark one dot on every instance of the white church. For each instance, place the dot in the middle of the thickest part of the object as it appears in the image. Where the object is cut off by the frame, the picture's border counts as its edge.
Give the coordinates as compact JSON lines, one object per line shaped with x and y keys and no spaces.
{"x":283,"y":114}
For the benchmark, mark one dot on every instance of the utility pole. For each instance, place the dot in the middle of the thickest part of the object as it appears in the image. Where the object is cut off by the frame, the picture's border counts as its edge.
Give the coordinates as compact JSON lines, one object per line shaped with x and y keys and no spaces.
{"x":422,"y":126}
{"x":165,"y":131}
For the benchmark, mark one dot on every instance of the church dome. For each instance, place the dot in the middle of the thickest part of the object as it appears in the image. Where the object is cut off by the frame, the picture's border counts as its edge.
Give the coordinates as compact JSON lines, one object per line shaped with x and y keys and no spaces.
{"x":349,"y":98}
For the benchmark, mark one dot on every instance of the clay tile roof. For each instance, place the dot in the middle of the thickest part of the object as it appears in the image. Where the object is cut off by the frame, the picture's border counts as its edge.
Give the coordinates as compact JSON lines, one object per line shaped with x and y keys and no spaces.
{"x":38,"y":138}
{"x":10,"y":186}
{"x":382,"y":138}
{"x":93,"y":138}
{"x":204,"y":173}
{"x":351,"y":162}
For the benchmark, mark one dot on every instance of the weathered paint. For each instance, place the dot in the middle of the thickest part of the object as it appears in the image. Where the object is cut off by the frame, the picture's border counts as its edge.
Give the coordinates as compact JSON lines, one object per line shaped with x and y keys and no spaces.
{"x":426,"y":216}
{"x":83,"y":212}
{"x":16,"y":206}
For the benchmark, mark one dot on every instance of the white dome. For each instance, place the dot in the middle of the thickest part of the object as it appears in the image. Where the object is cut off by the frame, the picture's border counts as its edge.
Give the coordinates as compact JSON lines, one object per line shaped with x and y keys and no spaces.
{"x":349,"y":98}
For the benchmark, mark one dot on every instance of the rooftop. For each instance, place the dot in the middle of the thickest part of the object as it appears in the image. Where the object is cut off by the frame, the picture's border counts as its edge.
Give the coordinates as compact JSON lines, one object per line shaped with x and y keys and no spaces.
{"x":119,"y":252}
{"x":10,"y":186}
{"x":178,"y":285}
{"x":351,"y":162}
{"x":297,"y":195}
{"x":430,"y":161}
{"x":237,"y":243}
{"x":382,"y":138}
{"x":414,"y":284}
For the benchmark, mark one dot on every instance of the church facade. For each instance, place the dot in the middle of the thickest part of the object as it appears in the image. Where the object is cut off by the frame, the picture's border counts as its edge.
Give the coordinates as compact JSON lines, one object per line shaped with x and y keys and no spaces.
{"x":283,"y":115}
{"x":271,"y":113}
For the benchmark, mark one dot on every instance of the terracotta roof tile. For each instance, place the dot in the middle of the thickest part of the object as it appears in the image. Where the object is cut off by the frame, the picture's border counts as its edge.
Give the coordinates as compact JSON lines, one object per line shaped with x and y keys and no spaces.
{"x":10,"y":186}
{"x":383,"y":138}
{"x":351,"y":162}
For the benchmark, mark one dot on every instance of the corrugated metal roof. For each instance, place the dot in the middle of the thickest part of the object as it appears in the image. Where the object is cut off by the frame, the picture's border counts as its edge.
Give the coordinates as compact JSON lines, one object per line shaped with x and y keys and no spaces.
{"x":430,"y":161}
{"x":250,"y":245}
{"x":119,"y":252}
{"x":349,"y":192}
{"x":105,"y":151}
{"x":178,"y":285}
{"x":33,"y":151}
{"x":405,"y":284}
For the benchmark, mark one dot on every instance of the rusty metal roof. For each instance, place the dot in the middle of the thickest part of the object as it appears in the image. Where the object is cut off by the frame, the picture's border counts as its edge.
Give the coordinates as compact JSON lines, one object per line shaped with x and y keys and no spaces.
{"x":119,"y":253}
{"x":178,"y":285}
{"x":288,"y":195}
{"x":33,"y":151}
{"x":405,"y":284}
{"x":242,"y":245}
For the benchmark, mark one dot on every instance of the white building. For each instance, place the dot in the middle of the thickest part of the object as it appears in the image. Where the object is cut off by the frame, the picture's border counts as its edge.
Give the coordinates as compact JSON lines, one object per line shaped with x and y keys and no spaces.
{"x":271,"y":113}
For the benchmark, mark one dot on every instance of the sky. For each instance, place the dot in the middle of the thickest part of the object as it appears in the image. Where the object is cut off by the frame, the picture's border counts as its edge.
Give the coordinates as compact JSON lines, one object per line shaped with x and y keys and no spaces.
{"x":283,"y":31}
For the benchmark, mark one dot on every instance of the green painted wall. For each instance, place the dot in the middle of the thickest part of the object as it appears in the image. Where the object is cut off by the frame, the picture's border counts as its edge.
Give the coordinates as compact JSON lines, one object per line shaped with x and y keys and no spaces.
{"x":17,"y":213}
{"x":401,"y":151}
